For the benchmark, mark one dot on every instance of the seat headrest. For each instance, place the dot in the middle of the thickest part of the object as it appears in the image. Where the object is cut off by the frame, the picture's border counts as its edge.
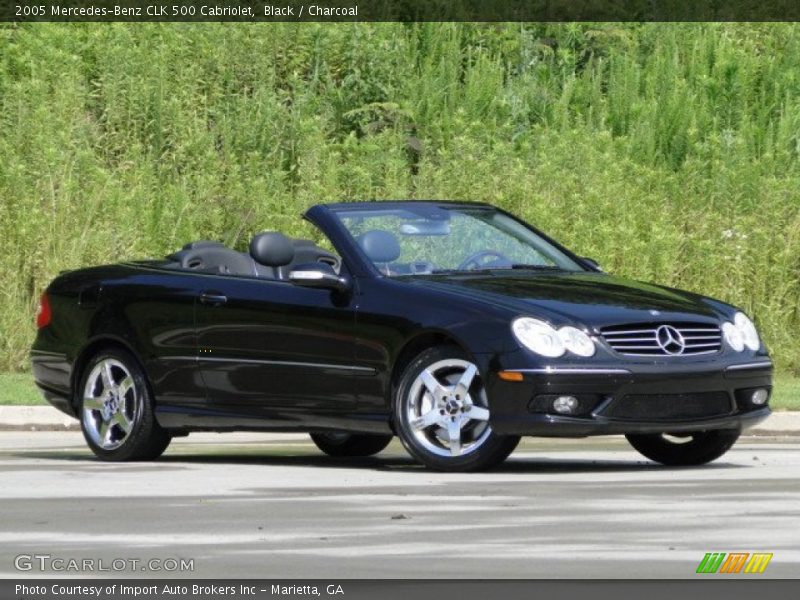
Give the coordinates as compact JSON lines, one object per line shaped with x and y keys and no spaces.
{"x":380,"y":246}
{"x":271,"y":249}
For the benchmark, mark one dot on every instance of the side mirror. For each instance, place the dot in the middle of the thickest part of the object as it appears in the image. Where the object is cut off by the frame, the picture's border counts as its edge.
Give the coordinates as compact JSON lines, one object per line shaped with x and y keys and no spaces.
{"x":319,"y":275}
{"x":592,"y":263}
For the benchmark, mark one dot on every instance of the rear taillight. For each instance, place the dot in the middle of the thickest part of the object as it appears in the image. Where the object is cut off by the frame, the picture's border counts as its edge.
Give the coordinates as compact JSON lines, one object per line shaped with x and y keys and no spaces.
{"x":43,"y":314}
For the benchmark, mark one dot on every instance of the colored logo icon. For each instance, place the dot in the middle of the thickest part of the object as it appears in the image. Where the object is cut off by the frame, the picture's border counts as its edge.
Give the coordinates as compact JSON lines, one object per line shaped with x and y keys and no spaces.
{"x":734,"y":562}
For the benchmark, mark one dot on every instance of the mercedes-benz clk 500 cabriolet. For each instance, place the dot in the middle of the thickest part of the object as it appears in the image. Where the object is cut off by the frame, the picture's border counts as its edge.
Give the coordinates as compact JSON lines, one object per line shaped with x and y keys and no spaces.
{"x":451,"y":325}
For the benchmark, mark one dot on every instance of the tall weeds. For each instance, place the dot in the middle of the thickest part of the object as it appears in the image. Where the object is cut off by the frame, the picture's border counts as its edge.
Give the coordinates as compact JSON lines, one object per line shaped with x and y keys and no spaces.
{"x":667,"y":152}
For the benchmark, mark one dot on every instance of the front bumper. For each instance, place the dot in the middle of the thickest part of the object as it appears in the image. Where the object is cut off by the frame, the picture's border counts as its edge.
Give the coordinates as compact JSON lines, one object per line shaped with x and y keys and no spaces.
{"x":676,"y":398}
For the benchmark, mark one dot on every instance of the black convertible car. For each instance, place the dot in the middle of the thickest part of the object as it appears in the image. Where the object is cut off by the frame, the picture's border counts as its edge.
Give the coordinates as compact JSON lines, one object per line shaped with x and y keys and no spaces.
{"x":453,"y":325}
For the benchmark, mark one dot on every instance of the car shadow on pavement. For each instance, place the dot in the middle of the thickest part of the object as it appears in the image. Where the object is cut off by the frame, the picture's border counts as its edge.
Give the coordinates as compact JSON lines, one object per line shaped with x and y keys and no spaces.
{"x":559,"y":465}
{"x":389,"y":463}
{"x":404,"y":463}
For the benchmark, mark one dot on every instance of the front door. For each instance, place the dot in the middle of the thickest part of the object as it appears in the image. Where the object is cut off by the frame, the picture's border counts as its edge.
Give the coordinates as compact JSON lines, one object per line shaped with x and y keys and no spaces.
{"x":274,"y":350}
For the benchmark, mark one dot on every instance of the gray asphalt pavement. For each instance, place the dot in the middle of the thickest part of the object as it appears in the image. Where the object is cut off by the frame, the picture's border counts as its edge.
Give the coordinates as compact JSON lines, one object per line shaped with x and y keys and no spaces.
{"x":257,"y":505}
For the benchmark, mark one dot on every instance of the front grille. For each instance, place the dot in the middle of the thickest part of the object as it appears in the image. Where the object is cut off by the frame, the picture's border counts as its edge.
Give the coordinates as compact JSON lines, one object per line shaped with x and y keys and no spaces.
{"x":668,"y":407}
{"x":664,"y":339}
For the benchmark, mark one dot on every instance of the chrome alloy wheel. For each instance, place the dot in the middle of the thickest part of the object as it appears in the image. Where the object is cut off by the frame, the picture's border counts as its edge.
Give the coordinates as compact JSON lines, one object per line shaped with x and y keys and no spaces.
{"x":447,"y":408}
{"x":111,"y":405}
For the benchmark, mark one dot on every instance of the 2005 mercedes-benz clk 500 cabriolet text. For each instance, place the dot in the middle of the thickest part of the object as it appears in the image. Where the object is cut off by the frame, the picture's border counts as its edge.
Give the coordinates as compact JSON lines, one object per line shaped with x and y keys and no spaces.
{"x":452,"y":325}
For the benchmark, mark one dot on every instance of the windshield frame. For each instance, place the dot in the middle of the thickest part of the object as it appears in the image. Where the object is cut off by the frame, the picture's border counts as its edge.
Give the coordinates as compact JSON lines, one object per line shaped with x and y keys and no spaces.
{"x":340,"y":210}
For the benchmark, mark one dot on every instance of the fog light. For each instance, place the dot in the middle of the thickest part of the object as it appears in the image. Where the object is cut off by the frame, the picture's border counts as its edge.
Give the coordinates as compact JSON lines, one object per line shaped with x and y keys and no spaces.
{"x":565,"y":404}
{"x":759,"y":397}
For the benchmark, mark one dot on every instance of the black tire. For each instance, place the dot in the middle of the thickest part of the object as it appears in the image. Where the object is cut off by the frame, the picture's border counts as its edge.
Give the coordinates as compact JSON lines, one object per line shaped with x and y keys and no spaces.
{"x":490,"y":449}
{"x":697,"y":448}
{"x":146,"y":439}
{"x":350,"y":444}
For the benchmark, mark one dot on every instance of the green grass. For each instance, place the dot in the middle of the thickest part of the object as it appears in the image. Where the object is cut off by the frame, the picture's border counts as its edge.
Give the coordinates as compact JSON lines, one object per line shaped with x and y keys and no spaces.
{"x":786,"y":395}
{"x":668,"y":152}
{"x":18,"y":389}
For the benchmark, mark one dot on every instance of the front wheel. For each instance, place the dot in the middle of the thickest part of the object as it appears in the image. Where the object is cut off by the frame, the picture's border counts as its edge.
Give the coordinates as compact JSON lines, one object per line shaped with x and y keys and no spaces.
{"x":684,"y":449}
{"x":338,"y":444}
{"x":441,"y":413}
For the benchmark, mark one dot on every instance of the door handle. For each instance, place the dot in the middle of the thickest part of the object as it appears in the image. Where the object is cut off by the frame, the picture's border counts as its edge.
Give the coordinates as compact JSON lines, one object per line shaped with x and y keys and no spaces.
{"x":213,"y":298}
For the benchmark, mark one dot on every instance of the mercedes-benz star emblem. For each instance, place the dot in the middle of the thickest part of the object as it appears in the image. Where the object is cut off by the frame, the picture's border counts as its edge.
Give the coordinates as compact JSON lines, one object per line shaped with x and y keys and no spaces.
{"x":670,"y":340}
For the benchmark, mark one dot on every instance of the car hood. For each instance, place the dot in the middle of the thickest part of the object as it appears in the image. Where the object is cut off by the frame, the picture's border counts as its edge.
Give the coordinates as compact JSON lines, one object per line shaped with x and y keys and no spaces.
{"x":591,"y":299}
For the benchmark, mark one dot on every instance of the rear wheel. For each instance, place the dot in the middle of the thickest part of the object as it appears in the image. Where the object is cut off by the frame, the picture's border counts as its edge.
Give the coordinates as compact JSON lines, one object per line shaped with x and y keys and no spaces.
{"x":684,"y":449}
{"x":441,"y":413}
{"x":350,"y":444}
{"x":116,"y":409}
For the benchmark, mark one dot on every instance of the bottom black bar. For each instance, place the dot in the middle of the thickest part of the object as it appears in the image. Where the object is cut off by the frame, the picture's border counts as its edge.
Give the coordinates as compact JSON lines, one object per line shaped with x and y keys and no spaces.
{"x":705,"y":586}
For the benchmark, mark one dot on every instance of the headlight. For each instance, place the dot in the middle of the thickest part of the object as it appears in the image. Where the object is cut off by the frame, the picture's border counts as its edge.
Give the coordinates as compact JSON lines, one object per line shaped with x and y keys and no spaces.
{"x":542,"y":338}
{"x":538,"y":337}
{"x":748,"y":331}
{"x":733,"y":336}
{"x":576,"y":341}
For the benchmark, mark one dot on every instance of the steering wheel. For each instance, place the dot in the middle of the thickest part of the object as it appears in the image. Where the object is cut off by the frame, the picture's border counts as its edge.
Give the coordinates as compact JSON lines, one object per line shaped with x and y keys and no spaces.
{"x":473,"y":261}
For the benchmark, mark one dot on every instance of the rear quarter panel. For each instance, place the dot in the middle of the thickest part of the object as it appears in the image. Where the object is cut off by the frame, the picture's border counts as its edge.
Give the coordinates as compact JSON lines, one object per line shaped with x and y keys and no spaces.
{"x":149,"y":312}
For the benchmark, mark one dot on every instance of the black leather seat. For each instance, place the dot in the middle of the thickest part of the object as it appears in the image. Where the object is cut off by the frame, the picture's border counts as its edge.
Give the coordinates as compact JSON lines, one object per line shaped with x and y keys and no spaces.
{"x":218,"y":259}
{"x":272,"y":256}
{"x":178,"y":256}
{"x":306,"y":251}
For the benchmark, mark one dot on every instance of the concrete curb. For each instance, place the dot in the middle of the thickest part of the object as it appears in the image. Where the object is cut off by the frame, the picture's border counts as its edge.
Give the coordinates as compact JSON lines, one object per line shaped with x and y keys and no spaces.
{"x":46,"y":418}
{"x":779,"y":423}
{"x":35,"y":418}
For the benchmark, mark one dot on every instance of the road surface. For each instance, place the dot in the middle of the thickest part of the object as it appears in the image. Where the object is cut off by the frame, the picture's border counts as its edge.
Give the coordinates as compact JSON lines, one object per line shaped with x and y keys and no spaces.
{"x":258,"y":505}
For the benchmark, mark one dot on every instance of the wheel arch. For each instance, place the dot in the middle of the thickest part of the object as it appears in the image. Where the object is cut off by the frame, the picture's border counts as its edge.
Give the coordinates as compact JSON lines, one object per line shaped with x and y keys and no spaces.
{"x":419,"y":343}
{"x":91,"y":349}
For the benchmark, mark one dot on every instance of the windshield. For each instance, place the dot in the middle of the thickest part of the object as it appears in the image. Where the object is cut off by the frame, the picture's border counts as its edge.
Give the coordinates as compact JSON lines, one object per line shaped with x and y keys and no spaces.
{"x":429,"y":239}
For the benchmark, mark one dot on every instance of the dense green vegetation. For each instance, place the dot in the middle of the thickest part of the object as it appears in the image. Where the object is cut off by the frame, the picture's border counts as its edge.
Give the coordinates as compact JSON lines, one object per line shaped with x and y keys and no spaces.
{"x":668,"y":152}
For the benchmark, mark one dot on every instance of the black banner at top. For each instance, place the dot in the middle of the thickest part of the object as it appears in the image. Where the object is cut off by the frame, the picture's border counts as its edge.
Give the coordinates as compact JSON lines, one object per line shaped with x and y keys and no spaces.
{"x":247,"y":11}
